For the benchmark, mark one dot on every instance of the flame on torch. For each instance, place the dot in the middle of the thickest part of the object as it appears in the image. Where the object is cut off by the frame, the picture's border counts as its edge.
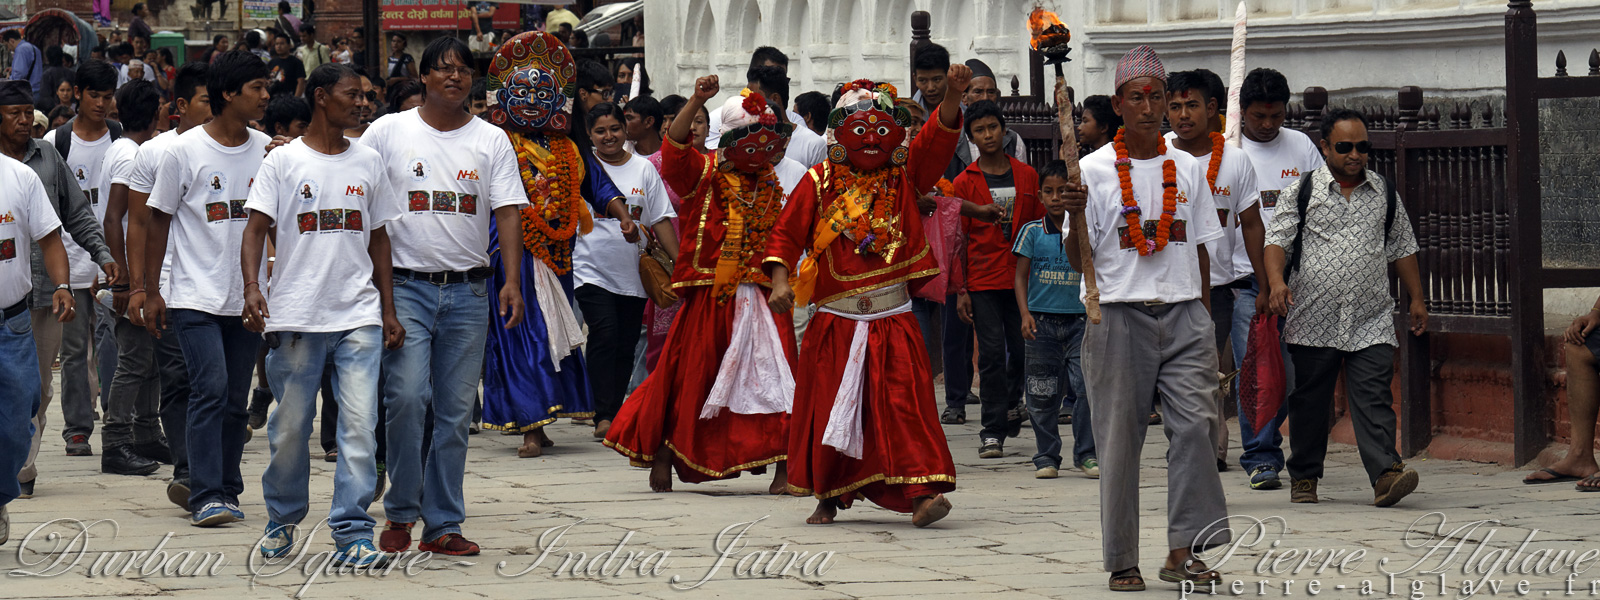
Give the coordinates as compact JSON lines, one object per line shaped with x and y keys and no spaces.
{"x":1047,"y":31}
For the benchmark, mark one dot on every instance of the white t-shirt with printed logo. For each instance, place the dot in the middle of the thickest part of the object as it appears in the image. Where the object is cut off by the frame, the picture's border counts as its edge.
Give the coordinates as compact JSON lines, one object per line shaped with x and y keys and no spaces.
{"x":203,"y":185}
{"x":83,"y":162}
{"x":444,"y":184}
{"x":324,"y":208}
{"x":143,"y":179}
{"x":1234,"y":191}
{"x":25,"y":217}
{"x":1279,"y":163}
{"x":603,"y":257}
{"x":1171,"y":275}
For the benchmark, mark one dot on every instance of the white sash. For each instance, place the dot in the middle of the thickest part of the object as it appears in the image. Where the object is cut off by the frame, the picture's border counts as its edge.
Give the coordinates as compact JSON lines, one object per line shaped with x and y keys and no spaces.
{"x":754,"y":378}
{"x":560,"y":325}
{"x":844,"y":421}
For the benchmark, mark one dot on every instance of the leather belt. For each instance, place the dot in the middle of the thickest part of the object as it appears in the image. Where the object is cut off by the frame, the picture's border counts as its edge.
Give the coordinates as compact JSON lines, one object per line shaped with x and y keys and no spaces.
{"x":444,"y":277}
{"x":16,"y":309}
{"x":875,"y":301}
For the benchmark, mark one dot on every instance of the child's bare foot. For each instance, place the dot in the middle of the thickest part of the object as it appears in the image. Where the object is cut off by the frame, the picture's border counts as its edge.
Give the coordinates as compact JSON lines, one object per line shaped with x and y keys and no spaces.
{"x":661,"y":471}
{"x":780,"y":481}
{"x":929,"y":509}
{"x":826,"y":511}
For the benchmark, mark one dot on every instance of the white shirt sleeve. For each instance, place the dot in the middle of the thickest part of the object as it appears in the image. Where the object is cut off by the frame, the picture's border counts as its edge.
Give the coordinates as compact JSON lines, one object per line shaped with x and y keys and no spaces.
{"x":1249,"y":190}
{"x":120,"y":166}
{"x":166,"y":194}
{"x":1204,"y":226}
{"x":263,"y":196}
{"x":382,"y":208}
{"x":714,"y":127}
{"x":657,"y":207}
{"x":505,"y":178}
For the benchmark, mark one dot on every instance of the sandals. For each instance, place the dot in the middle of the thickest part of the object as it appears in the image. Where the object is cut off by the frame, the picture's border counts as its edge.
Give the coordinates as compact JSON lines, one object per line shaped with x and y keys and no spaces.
{"x":1133,"y":581}
{"x":1187,"y":572}
{"x":1589,"y":484}
{"x":1554,"y":477}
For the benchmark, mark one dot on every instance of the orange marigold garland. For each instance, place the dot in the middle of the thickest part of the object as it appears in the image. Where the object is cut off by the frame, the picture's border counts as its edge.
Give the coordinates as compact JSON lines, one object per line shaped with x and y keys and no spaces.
{"x":945,"y":188}
{"x":1130,"y":206}
{"x":1216,"y":161}
{"x":757,"y":198}
{"x":877,"y":193}
{"x":554,"y":180}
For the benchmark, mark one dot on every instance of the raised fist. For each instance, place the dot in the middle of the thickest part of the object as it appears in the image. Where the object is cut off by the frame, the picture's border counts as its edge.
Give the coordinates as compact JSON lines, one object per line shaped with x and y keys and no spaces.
{"x":958,"y":78}
{"x":706,"y":88}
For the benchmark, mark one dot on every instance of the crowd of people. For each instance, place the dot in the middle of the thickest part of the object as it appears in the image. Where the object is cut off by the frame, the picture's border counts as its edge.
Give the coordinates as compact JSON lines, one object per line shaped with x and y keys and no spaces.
{"x":210,"y":248}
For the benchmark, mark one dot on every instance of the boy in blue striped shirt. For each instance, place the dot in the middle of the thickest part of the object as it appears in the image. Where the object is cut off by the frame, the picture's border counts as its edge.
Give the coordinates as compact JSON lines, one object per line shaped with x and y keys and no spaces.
{"x":1052,"y":327}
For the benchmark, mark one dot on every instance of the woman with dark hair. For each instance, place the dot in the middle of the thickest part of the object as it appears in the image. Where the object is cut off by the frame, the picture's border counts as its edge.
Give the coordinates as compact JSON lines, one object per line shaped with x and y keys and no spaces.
{"x":405,"y":95}
{"x":627,"y":70}
{"x":400,"y":63}
{"x":219,"y":44}
{"x":57,"y":92}
{"x":60,"y":115}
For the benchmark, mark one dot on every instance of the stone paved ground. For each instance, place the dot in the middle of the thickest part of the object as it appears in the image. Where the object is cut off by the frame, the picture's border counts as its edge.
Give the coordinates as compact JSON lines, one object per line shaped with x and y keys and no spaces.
{"x":1011,"y":536}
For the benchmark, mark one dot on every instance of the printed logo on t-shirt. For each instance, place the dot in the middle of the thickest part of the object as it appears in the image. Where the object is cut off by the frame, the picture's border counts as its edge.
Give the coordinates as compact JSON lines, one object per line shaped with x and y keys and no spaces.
{"x":1222,"y":216}
{"x":439,"y":201}
{"x":1178,"y":233}
{"x":444,"y":201}
{"x":79,"y":173}
{"x":7,"y":219}
{"x":465,"y":175}
{"x":236,"y":210}
{"x":420,"y":169}
{"x":308,"y":191}
{"x":226,"y":211}
{"x":332,"y":219}
{"x":1290,"y":172}
{"x":467,"y":204}
{"x":1183,"y":197}
{"x":1269,"y":198}
{"x":8,"y":249}
{"x":216,"y":182}
{"x":1222,"y":191}
{"x":94,"y":196}
{"x":355,"y":190}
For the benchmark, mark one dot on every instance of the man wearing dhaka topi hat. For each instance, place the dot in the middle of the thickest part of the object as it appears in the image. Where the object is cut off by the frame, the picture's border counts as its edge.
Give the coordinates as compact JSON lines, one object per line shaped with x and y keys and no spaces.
{"x":1149,"y":213}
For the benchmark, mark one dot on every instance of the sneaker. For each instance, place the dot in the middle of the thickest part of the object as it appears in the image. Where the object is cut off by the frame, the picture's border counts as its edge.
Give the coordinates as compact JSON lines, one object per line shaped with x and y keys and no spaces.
{"x":178,"y":492}
{"x":383,"y":482}
{"x":1303,"y":491}
{"x":450,"y":544}
{"x":396,"y":537}
{"x":278,"y":540}
{"x":1264,"y":478}
{"x":991,"y":449}
{"x":27,"y":490}
{"x":78,"y":445}
{"x":233,"y":509}
{"x":1047,"y":473}
{"x":260,"y":400}
{"x":361,"y":554}
{"x":1394,"y":484}
{"x":212,"y":515}
{"x":953,"y":416}
{"x":1090,"y":468}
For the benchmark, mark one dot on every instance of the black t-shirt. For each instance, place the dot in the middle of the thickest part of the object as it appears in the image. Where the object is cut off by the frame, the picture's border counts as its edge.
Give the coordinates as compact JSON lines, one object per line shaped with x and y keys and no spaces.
{"x":287,"y":69}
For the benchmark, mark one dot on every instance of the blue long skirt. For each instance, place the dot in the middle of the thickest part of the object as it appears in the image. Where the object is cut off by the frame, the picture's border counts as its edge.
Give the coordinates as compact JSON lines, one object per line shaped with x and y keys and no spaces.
{"x":522,"y":391}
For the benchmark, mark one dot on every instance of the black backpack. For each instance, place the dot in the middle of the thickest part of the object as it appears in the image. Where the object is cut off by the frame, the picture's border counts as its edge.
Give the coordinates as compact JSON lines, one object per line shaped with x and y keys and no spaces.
{"x":63,"y":140}
{"x":1303,"y":199}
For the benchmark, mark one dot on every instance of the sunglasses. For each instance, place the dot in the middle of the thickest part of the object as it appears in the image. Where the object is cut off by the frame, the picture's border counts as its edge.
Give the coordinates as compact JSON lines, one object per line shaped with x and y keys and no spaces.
{"x":372,"y":96}
{"x":1363,"y":147}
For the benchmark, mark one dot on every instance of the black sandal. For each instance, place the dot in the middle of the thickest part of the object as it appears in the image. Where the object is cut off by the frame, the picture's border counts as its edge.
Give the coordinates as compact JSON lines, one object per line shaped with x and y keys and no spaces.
{"x":1137,"y":584}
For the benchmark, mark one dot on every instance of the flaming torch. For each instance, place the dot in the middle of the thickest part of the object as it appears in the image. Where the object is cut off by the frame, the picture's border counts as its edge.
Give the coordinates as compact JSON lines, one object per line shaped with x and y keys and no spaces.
{"x":1049,"y":36}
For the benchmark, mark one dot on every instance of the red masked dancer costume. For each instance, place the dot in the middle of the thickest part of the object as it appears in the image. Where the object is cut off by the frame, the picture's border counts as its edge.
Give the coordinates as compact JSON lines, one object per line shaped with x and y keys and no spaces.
{"x":720,"y":397}
{"x":865,"y":420}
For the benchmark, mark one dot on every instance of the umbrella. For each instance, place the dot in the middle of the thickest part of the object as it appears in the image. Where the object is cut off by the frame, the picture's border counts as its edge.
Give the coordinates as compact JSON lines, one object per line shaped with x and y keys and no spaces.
{"x":54,"y":26}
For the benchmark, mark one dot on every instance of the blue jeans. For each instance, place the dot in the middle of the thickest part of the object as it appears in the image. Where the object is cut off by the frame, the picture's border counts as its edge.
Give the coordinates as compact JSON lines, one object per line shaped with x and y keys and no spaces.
{"x":1263,"y":446}
{"x":19,"y":375}
{"x":1054,"y":366}
{"x":957,"y":358}
{"x":174,"y":376}
{"x":447,"y":326}
{"x":294,"y":370}
{"x":220,"y":355}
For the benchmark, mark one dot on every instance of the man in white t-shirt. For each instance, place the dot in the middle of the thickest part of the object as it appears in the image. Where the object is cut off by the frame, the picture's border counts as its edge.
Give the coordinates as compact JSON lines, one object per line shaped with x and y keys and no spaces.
{"x":198,"y":204}
{"x":193,"y":107}
{"x":1280,"y":156}
{"x":82,"y":144}
{"x":329,"y":301}
{"x":448,"y":171}
{"x":1151,"y":267}
{"x":25,"y":216}
{"x":132,"y":441}
{"x":1192,"y":100}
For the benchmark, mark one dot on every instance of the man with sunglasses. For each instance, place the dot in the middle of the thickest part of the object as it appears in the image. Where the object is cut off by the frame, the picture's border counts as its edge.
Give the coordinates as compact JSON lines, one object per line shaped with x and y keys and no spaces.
{"x":1335,"y":294}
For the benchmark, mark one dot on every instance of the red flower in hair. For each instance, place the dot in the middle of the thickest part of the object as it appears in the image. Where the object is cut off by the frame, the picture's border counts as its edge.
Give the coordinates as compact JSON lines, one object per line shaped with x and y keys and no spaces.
{"x":860,"y":84}
{"x":754,"y":104}
{"x":769,"y":119}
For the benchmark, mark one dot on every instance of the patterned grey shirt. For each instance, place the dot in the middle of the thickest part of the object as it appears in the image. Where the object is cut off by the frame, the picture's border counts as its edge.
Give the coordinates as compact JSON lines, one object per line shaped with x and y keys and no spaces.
{"x":1341,"y":290}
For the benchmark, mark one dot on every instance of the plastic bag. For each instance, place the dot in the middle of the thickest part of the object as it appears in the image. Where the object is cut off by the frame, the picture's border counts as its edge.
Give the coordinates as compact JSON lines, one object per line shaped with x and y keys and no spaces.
{"x":1261,"y":381}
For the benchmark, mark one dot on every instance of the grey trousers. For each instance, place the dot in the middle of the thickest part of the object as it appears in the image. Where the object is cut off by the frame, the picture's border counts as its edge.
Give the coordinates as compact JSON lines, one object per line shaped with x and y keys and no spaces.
{"x":1367,"y":375}
{"x":134,"y":411}
{"x":73,"y":341}
{"x":105,"y":352}
{"x":1172,"y":346}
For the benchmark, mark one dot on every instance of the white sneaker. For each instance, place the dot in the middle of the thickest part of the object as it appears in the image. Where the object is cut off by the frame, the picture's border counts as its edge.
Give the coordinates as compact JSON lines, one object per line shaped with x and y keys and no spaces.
{"x":1046,"y":473}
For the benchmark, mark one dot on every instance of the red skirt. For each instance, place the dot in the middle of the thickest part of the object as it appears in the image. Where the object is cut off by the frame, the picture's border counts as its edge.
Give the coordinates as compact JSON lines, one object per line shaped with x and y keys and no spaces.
{"x":665,"y":409}
{"x":905,"y":455}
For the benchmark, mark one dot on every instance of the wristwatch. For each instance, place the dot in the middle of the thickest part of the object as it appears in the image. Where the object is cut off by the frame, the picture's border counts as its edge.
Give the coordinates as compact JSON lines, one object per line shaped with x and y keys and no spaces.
{"x":64,"y":286}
